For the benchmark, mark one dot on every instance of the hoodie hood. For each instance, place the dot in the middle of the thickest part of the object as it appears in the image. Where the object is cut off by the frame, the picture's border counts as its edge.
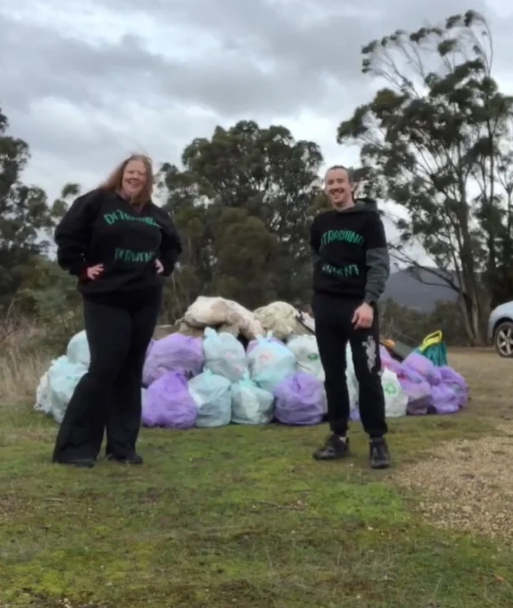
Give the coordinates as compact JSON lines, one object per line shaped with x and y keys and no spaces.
{"x":361,"y":204}
{"x":367,"y":203}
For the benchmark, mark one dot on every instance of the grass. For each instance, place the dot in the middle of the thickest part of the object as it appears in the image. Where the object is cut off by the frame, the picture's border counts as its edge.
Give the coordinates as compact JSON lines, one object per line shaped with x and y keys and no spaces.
{"x":244,"y":517}
{"x":23,"y":360}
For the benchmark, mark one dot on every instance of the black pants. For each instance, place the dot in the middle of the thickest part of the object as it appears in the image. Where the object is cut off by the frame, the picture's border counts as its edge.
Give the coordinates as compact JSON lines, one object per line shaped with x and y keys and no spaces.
{"x":108,"y":396}
{"x":334,"y":329}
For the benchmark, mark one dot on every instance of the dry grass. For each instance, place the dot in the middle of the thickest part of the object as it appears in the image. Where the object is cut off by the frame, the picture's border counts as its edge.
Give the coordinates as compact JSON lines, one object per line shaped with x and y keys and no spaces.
{"x":490,"y":380}
{"x":468,"y":484}
{"x":23,"y":360}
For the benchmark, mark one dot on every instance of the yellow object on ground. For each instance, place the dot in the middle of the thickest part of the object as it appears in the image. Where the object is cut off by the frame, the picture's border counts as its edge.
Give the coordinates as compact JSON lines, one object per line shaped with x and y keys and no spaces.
{"x":431,"y":340}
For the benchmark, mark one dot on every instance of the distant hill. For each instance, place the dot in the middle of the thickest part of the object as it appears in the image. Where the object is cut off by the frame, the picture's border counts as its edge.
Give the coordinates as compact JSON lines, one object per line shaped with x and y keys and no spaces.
{"x":405,"y":289}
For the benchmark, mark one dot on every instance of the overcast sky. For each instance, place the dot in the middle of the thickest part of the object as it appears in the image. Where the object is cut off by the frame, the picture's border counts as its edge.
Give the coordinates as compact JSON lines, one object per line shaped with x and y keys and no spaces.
{"x":85,"y":82}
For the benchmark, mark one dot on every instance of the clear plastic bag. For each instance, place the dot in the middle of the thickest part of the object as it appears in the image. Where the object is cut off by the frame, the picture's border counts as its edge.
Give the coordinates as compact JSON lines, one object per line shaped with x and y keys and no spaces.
{"x":213,"y":397}
{"x":250,"y":403}
{"x":224,"y":355}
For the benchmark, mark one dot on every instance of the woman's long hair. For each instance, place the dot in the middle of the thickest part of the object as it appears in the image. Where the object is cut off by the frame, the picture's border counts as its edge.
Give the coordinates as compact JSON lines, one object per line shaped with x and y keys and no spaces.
{"x":115,"y":180}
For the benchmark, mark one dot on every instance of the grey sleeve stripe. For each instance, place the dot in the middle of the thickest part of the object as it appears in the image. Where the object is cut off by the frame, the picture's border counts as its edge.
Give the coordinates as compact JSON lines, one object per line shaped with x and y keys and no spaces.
{"x":378,"y":271}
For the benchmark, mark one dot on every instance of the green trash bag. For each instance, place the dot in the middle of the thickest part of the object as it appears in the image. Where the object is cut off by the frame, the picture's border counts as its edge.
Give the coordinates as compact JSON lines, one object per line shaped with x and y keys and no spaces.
{"x":433,"y":348}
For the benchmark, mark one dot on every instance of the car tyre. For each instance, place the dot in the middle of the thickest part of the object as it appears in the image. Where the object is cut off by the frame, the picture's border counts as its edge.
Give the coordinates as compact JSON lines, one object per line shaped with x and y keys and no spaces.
{"x":503,"y":340}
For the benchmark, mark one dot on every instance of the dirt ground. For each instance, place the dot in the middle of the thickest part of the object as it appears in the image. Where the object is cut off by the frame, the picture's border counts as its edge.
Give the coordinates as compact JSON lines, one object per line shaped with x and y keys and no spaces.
{"x":468,"y":484}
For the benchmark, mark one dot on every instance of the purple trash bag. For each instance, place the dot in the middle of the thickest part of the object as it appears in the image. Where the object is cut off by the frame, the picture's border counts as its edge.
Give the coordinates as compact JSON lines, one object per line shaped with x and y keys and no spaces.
{"x":456,"y":382}
{"x":417,"y":389}
{"x":393,"y":365}
{"x":169,"y":404}
{"x":150,"y":346}
{"x":445,"y":400}
{"x":423,"y":366}
{"x":386,"y":357}
{"x":300,"y":400}
{"x":174,"y":353}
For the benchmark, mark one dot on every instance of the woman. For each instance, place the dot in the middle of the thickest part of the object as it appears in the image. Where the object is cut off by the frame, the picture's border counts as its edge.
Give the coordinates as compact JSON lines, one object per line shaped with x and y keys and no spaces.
{"x":119,"y":244}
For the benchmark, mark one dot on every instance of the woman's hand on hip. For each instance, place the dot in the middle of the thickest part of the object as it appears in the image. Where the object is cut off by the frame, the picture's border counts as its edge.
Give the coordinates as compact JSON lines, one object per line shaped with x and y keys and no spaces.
{"x":93,"y":272}
{"x":159,"y":267}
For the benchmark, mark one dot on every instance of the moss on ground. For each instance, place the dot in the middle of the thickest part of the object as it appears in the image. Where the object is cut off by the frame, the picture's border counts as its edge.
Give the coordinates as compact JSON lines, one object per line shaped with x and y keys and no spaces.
{"x":236,"y":516}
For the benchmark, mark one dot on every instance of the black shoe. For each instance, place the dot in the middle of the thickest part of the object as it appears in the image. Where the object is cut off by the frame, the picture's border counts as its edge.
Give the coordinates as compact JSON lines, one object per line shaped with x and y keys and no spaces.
{"x":80,"y":463}
{"x":379,"y":456}
{"x":333,"y":449}
{"x":132,"y":459}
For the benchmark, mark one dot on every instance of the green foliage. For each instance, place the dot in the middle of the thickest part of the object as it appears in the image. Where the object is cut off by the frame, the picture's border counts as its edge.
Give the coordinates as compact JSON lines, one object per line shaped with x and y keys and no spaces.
{"x":50,"y":296}
{"x":24,"y":214}
{"x":412,"y":326}
{"x":437,"y":135}
{"x":243,"y":203}
{"x":435,"y":139}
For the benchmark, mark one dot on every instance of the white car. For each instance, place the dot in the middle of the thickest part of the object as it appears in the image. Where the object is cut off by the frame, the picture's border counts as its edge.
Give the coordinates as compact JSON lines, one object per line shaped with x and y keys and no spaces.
{"x":500,"y":329}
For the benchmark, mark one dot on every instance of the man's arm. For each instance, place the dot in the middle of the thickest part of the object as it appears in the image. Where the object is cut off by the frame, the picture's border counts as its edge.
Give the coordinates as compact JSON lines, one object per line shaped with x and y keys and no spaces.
{"x":315,"y":241}
{"x":377,"y":259}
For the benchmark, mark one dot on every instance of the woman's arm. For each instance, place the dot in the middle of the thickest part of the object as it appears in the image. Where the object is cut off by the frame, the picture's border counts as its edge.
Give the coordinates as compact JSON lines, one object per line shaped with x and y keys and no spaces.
{"x":171,"y":246}
{"x":73,"y":233}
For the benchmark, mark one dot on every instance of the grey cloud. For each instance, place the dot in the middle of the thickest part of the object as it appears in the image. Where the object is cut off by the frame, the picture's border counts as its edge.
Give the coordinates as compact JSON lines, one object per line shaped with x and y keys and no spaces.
{"x":317,"y":37}
{"x":273,"y":59}
{"x":229,"y":83}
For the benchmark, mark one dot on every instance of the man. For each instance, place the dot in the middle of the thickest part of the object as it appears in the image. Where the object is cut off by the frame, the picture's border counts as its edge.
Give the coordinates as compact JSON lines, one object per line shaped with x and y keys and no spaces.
{"x":351,"y":267}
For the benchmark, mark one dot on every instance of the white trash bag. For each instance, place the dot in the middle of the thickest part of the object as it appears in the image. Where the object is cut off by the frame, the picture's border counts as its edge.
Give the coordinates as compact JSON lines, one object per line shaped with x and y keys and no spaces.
{"x":63,"y":377}
{"x":213,"y":397}
{"x":78,"y":349}
{"x":42,"y":393}
{"x":396,"y":400}
{"x":224,"y":355}
{"x":306,"y":352}
{"x":250,"y":403}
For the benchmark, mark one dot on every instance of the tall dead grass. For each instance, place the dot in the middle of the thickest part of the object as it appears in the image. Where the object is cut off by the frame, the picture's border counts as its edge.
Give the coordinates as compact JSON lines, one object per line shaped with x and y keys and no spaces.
{"x":23,"y":360}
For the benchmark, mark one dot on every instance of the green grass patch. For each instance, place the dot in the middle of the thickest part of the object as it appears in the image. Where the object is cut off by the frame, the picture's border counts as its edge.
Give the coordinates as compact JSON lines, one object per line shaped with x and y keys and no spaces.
{"x":238,"y":516}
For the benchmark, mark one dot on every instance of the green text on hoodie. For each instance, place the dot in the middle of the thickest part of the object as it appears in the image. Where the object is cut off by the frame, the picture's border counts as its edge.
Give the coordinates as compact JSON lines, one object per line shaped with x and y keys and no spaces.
{"x":350,"y":252}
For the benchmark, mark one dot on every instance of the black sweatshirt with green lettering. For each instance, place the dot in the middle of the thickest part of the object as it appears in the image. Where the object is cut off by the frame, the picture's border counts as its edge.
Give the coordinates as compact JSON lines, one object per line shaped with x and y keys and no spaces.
{"x":350,"y":253}
{"x":101,"y":227}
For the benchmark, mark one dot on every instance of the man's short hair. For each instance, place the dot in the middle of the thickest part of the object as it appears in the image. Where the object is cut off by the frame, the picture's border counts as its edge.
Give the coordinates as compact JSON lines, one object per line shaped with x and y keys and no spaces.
{"x":350,"y":173}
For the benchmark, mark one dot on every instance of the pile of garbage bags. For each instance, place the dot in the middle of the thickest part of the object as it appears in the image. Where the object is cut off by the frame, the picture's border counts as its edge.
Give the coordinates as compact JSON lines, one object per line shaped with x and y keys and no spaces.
{"x":430,"y":389}
{"x":243,"y":372}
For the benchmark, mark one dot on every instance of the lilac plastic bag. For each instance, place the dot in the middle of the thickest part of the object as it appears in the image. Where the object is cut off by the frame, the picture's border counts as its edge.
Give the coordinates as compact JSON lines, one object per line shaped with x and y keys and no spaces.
{"x":300,"y":400}
{"x":174,"y":353}
{"x":418,"y":390}
{"x":169,"y":404}
{"x":456,"y":382}
{"x":394,"y":366}
{"x":150,"y":346}
{"x":354,"y":415}
{"x":386,"y":357}
{"x":423,"y":366}
{"x":445,"y":400}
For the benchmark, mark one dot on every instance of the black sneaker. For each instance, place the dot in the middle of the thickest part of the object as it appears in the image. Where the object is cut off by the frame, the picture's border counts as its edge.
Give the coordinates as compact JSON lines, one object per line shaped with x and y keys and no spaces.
{"x":379,"y":456}
{"x":333,"y":449}
{"x":132,"y":459}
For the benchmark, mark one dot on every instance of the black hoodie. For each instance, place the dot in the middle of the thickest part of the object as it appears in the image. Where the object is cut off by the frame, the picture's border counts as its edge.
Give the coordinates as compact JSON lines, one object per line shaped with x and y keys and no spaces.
{"x":350,"y":252}
{"x":101,"y":227}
